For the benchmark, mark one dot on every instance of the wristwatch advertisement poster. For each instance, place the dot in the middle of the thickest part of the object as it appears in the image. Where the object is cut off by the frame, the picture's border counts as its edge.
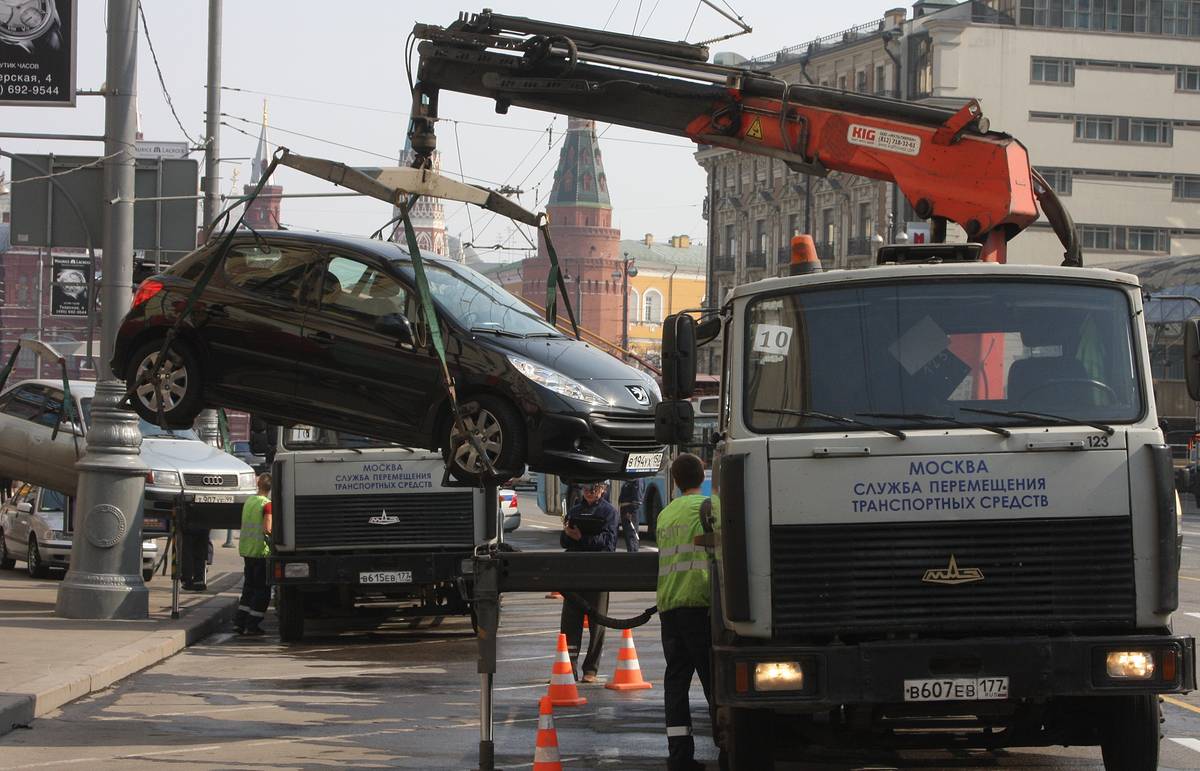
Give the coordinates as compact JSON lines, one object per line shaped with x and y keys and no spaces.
{"x":37,"y":52}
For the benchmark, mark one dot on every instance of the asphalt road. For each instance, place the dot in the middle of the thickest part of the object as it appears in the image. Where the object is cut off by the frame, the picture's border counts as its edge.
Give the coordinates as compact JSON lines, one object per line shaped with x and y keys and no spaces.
{"x":395,"y":695}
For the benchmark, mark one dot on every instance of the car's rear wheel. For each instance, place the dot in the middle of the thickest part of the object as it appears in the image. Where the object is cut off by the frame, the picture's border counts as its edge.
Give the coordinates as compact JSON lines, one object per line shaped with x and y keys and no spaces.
{"x":499,"y":434}
{"x":6,"y":560}
{"x":179,"y":384}
{"x":33,"y":560}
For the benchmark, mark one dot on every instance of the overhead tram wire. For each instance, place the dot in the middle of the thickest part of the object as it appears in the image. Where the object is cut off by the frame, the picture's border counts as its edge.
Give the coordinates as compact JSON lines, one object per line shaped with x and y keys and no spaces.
{"x":162,"y":82}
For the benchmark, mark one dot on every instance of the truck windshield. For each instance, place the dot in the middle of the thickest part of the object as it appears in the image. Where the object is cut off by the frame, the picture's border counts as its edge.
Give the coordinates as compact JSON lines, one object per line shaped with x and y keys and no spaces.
{"x":902,"y":352}
{"x":315,"y":438}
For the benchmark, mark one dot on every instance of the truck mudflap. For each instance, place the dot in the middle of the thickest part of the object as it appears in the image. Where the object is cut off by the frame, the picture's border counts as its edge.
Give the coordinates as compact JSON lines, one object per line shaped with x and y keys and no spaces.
{"x":382,"y":570}
{"x":817,"y":678}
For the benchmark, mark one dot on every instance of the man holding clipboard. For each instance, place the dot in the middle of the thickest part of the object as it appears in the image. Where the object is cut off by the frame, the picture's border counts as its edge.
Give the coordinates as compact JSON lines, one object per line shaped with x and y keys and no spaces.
{"x":591,"y":526}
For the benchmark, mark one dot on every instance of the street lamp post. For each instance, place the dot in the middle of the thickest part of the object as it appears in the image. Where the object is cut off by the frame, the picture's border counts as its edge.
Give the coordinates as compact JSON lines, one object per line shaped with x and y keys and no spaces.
{"x":628,"y":271}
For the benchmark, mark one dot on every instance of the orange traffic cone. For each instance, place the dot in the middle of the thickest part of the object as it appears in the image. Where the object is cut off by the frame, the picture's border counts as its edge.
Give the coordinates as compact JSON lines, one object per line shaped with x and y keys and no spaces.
{"x":553,"y":596}
{"x":585,"y":622}
{"x":563,"y":692}
{"x":545,"y":753}
{"x":628,"y":676}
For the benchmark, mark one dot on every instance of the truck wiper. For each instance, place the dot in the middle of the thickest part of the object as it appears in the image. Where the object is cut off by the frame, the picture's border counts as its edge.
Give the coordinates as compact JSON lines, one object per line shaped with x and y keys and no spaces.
{"x":498,"y":331}
{"x":835,"y":419}
{"x":1057,"y":419}
{"x":938,"y":418}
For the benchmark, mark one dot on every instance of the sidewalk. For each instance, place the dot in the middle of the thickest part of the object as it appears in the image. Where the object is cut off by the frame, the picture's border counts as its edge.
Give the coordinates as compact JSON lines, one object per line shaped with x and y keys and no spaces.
{"x":47,"y":661}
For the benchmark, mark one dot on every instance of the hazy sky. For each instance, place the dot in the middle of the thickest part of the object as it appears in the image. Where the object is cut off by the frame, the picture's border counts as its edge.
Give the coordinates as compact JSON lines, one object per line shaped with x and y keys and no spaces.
{"x":334,"y":73}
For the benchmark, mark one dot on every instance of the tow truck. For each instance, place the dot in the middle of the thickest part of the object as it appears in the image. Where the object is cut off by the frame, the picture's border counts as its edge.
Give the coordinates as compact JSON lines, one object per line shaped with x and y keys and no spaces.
{"x":944,"y":507}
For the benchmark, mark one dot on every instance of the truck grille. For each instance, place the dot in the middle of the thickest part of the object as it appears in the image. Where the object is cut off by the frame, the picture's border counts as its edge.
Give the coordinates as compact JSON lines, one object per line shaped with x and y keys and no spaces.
{"x":1037,"y":574}
{"x":325,"y":521}
{"x":625,"y":432}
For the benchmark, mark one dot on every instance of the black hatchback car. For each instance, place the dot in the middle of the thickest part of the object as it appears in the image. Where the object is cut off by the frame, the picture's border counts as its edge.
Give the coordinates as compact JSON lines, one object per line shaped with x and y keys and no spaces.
{"x":319,"y":329}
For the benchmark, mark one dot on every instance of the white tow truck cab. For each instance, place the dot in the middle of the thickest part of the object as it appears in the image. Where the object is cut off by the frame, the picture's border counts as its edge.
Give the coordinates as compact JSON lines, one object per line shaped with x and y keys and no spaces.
{"x":945,"y":514}
{"x":364,"y":525}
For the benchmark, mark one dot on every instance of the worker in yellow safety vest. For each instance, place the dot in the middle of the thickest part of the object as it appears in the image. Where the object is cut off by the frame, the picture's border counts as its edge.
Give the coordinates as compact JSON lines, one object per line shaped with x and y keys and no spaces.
{"x":684,"y":600}
{"x":254,"y":548}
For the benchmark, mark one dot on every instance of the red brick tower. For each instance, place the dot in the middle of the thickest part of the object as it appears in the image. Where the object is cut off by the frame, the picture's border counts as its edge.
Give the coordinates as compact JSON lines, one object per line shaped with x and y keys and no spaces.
{"x":264,"y":210}
{"x":588,"y":246}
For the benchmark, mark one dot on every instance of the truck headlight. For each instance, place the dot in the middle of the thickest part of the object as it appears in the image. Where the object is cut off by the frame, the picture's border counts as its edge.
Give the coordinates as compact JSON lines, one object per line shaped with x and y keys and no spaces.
{"x":163,"y":478}
{"x":296,"y":570}
{"x":556,"y":381}
{"x":1129,"y":665}
{"x":778,"y":676}
{"x":246,"y":479}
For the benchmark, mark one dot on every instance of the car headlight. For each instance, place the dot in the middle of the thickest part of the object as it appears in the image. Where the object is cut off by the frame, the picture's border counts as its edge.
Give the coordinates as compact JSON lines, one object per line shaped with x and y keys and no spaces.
{"x":557,"y":382}
{"x":246,"y":479}
{"x":163,"y":478}
{"x":54,"y":535}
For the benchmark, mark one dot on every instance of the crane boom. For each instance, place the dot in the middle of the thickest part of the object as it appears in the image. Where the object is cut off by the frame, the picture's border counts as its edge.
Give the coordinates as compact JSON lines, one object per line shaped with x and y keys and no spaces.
{"x":946,"y":162}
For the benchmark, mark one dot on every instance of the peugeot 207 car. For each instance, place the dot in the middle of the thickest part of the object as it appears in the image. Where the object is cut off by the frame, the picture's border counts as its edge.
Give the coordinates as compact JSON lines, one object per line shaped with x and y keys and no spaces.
{"x":327,"y":330}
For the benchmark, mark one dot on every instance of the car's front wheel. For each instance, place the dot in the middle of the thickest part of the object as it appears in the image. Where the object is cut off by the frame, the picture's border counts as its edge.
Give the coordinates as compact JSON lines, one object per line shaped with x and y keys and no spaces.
{"x":498,"y":434}
{"x":34,"y":564}
{"x":178,"y":384}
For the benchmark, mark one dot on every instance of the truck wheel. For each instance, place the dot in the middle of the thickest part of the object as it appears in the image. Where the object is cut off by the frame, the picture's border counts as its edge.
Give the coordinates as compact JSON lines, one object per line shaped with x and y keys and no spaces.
{"x":654,"y":507}
{"x":1130,"y":742}
{"x":748,"y":741}
{"x":289,"y":606}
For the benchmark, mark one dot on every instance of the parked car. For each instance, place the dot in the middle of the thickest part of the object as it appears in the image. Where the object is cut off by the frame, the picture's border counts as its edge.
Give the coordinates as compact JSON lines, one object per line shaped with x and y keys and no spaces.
{"x":213,"y":484}
{"x":257,"y":461}
{"x":510,"y":507}
{"x":327,"y":330}
{"x":34,"y":527}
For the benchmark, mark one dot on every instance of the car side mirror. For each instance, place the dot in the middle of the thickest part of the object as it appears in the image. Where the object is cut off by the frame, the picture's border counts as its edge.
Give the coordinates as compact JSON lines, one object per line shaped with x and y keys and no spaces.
{"x":395,"y":325}
{"x":679,"y":356}
{"x":1191,"y":356}
{"x":25,"y":507}
{"x":674,"y":422}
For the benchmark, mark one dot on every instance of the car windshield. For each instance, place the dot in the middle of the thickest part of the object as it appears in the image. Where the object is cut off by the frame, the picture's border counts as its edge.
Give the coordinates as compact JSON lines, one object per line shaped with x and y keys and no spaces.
{"x":149,"y":430}
{"x":993,"y":352}
{"x":476,"y":303}
{"x":53,"y":500}
{"x":315,"y":438}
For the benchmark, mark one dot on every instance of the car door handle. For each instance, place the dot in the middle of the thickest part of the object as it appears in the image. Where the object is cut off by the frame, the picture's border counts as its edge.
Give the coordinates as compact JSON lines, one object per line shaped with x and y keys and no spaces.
{"x":320,"y":338}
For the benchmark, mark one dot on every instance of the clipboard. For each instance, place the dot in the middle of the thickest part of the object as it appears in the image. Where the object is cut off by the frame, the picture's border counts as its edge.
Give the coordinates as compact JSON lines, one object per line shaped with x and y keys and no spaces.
{"x":587,"y":525}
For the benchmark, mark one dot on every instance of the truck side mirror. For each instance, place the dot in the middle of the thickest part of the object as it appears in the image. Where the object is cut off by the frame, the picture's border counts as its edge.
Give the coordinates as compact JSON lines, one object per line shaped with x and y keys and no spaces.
{"x":259,"y":439}
{"x":1191,"y":356}
{"x":395,"y":325}
{"x":674,"y":422}
{"x":679,"y":356}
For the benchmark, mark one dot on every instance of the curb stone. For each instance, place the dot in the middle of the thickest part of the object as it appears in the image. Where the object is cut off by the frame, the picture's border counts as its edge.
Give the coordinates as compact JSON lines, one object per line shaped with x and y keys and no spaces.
{"x":45,"y":694}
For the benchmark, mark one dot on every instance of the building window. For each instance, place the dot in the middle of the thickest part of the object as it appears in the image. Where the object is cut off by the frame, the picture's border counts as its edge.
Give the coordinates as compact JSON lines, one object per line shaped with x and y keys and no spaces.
{"x":860,"y":81}
{"x":1185,"y":187}
{"x":828,"y":228}
{"x":760,"y":236}
{"x":866,"y":225}
{"x":653,"y":307}
{"x":793,"y":228}
{"x":1187,"y":78}
{"x":1052,"y":71}
{"x":881,"y":87}
{"x":842,"y":82}
{"x":1059,"y":179}
{"x":1100,"y":128}
{"x":634,"y":307}
{"x":1095,"y":236}
{"x":1171,"y":18}
{"x":1143,"y":240}
{"x":921,"y":56}
{"x":730,"y":241}
{"x":1096,"y":129}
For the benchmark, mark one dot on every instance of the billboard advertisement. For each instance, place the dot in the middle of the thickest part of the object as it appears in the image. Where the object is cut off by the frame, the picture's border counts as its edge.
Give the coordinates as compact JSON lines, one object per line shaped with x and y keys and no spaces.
{"x":37,"y":53}
{"x":69,"y":287}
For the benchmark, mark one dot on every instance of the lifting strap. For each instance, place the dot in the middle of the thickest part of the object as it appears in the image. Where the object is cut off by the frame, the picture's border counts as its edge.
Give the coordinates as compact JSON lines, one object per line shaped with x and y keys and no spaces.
{"x":556,"y":283}
{"x":8,"y":367}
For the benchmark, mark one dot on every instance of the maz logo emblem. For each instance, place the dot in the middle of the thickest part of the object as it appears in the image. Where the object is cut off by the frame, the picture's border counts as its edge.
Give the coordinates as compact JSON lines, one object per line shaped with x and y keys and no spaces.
{"x":384,"y":519}
{"x":952,"y":574}
{"x":639,"y":394}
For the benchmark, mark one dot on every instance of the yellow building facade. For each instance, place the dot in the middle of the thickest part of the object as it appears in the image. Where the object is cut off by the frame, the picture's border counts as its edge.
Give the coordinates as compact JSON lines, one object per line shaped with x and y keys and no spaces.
{"x":670,"y":278}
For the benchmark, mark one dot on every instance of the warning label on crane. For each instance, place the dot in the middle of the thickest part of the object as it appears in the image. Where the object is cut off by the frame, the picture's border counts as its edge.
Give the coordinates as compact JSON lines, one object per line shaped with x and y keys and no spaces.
{"x":755,"y":130}
{"x":882,"y":139}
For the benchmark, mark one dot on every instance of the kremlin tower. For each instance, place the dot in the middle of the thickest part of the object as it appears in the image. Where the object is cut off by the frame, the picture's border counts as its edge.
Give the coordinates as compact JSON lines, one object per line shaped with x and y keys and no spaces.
{"x":263,"y":213}
{"x":427,"y":216}
{"x":587,"y":245}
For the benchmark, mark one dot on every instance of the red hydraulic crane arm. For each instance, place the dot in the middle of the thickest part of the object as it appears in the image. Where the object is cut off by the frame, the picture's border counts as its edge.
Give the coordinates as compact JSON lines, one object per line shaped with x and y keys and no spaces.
{"x":945,"y":162}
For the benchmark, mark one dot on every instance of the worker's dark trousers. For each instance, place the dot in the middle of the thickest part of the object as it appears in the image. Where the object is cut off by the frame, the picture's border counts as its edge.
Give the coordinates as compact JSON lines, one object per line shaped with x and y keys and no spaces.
{"x":686,"y":641}
{"x":193,"y":556}
{"x":256,"y":594}
{"x":571,"y":624}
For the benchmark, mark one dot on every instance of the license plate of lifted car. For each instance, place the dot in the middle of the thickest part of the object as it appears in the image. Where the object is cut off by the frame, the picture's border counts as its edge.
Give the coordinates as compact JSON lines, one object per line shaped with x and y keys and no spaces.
{"x":644,"y":461}
{"x":956,"y":689}
{"x":213,"y":498}
{"x":386,"y":577}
